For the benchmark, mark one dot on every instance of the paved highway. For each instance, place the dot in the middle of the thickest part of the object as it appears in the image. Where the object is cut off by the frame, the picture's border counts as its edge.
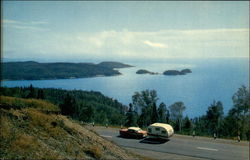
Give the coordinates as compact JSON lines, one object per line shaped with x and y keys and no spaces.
{"x":180,"y":147}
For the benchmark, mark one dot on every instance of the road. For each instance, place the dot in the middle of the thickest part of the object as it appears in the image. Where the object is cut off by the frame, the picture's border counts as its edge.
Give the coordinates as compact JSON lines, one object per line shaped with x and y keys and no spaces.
{"x":180,"y":147}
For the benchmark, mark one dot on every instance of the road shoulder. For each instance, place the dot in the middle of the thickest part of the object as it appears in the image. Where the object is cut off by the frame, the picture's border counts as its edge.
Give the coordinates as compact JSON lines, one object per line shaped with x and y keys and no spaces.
{"x":161,"y":155}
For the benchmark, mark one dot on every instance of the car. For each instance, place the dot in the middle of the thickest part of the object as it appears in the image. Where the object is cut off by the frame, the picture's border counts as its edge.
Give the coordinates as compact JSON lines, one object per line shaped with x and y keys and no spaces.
{"x":133,"y":132}
{"x":160,"y":130}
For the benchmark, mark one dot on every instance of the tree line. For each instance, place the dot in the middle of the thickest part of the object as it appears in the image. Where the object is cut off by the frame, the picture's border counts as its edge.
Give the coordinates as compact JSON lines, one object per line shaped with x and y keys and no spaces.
{"x":86,"y":106}
{"x":90,"y":106}
{"x":143,"y":111}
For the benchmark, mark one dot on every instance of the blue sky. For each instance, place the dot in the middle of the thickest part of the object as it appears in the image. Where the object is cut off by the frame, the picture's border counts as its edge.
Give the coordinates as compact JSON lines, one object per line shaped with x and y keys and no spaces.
{"x":107,"y":30}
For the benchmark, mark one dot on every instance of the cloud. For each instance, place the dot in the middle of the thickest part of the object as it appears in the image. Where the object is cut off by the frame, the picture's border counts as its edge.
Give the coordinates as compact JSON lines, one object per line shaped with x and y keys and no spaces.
{"x":21,"y":25}
{"x":129,"y":44}
{"x":8,"y":21}
{"x":38,"y":22}
{"x":155,"y":45}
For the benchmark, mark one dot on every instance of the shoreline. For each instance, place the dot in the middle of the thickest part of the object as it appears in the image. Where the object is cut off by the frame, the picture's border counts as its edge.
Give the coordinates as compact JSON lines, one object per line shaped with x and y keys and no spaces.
{"x":96,"y":76}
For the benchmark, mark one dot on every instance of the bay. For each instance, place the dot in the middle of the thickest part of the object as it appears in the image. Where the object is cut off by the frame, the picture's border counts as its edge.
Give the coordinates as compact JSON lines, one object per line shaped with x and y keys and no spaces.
{"x":211,"y":79}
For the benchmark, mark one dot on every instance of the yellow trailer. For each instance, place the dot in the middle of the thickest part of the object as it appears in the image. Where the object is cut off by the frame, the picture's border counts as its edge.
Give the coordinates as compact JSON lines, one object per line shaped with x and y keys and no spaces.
{"x":160,"y":130}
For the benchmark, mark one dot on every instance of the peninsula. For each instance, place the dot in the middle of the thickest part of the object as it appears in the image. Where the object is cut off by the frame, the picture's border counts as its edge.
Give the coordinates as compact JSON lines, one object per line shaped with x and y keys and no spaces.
{"x":31,"y":70}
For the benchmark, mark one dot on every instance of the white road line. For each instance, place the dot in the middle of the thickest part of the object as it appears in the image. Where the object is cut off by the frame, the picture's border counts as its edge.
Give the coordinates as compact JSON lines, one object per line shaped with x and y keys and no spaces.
{"x":209,"y":149}
{"x":106,"y":136}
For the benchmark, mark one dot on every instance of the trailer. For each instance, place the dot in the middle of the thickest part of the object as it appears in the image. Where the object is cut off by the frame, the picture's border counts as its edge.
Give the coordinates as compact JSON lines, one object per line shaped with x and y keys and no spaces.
{"x":160,"y":130}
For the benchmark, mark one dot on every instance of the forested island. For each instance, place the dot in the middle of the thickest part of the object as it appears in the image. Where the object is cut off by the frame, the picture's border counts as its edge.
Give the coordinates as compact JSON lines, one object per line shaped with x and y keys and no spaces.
{"x":31,"y":70}
{"x":144,"y":71}
{"x":167,"y":72}
{"x":176,"y":72}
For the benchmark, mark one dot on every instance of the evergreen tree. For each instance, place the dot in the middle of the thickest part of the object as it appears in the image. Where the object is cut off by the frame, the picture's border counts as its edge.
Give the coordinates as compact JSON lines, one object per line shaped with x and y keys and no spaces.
{"x":200,"y":125}
{"x":84,"y":112}
{"x":31,"y":93}
{"x":167,"y":116}
{"x":214,"y":117}
{"x":68,"y":106}
{"x":187,"y":124}
{"x":144,"y":118}
{"x":163,"y":113}
{"x":40,"y":94}
{"x":131,"y":118}
{"x":154,"y":116}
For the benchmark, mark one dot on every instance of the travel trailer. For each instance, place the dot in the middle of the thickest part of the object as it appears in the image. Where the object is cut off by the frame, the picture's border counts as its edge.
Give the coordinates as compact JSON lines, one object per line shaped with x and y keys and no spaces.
{"x":160,"y":130}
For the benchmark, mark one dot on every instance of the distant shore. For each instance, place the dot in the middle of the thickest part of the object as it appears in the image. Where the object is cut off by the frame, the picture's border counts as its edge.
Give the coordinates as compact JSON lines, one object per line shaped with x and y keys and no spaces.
{"x":32,"y":70}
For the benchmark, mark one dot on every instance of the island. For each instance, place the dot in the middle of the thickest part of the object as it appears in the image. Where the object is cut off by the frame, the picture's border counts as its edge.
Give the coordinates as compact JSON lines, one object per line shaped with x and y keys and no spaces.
{"x":185,"y":71}
{"x":31,"y":70}
{"x":143,"y":71}
{"x":176,"y":72}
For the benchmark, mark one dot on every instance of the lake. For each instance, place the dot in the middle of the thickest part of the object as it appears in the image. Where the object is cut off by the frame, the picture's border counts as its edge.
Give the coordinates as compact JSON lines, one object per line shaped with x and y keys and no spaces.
{"x":211,"y":79}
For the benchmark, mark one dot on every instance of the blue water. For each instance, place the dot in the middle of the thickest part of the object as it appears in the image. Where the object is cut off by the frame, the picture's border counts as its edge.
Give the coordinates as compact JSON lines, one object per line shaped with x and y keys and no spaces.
{"x":211,"y":79}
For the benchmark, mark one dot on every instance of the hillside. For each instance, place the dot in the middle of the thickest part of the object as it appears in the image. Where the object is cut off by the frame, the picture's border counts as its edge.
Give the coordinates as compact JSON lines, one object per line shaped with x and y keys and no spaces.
{"x":87,"y":106}
{"x":31,"y":70}
{"x":33,"y":129}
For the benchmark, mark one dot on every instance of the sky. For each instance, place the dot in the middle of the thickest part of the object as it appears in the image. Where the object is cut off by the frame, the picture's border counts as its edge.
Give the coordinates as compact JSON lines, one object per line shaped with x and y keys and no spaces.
{"x":109,"y":30}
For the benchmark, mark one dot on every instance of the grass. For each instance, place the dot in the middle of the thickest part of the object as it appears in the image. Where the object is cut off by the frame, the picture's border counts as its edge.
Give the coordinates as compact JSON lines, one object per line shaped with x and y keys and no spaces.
{"x":5,"y":130}
{"x":23,"y":144}
{"x":23,"y":124}
{"x":94,"y":151}
{"x":17,"y":103}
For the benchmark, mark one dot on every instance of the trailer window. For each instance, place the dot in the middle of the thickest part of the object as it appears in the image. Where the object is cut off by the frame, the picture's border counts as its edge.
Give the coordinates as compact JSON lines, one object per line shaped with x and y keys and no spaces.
{"x":157,"y":129}
{"x":163,"y":132}
{"x":149,"y":130}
